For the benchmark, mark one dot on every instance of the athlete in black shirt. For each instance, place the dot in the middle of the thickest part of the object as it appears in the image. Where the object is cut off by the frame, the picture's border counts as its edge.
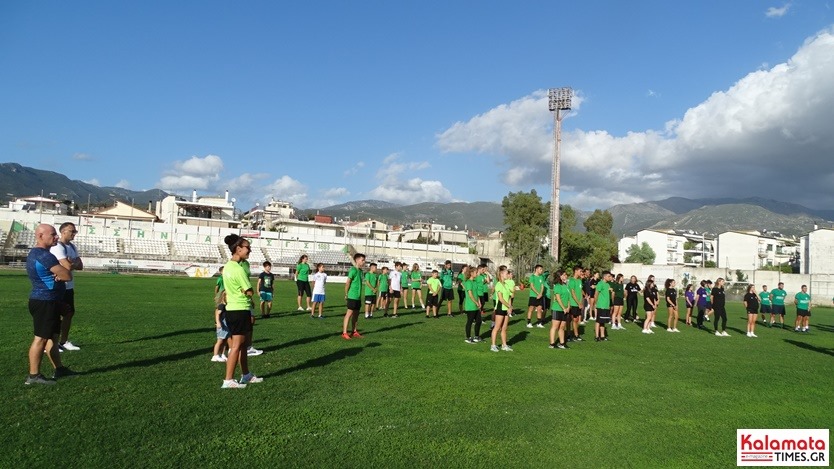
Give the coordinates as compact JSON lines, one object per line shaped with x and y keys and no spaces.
{"x":717,"y":298}
{"x":751,"y":303}
{"x":632,"y":288}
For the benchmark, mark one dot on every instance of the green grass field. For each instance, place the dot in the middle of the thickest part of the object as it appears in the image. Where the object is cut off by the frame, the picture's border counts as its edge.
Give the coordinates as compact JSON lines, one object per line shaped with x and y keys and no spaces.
{"x":410,"y":393}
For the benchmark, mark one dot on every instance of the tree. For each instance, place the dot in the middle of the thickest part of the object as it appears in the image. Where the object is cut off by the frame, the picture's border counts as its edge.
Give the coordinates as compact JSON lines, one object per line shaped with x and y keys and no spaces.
{"x":527,"y":220}
{"x":600,"y":222}
{"x":642,"y":254}
{"x":593,"y":249}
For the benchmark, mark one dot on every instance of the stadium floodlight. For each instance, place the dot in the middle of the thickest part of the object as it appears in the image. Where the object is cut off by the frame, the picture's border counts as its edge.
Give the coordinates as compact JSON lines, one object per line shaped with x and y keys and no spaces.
{"x":558,"y":100}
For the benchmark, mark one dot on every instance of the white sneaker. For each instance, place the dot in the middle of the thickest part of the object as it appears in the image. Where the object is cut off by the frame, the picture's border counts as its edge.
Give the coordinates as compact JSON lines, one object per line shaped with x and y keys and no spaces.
{"x":309,"y":308}
{"x":494,"y":348}
{"x":69,"y":346}
{"x":724,"y":334}
{"x":530,"y":325}
{"x":669,"y":329}
{"x":217,"y":358}
{"x":300,"y":308}
{"x":232,"y":384}
{"x":718,"y":334}
{"x":651,"y":331}
{"x":675,"y":330}
{"x":540,"y":325}
{"x":581,"y":323}
{"x":506,"y":348}
{"x":646,"y":331}
{"x":653,"y":325}
{"x":253,"y":352}
{"x":223,"y":357}
{"x":250,"y":378}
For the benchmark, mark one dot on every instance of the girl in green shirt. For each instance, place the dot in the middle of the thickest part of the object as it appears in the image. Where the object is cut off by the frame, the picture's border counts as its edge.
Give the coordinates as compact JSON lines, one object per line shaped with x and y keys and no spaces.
{"x":416,"y":286}
{"x":560,"y":304}
{"x":502,"y":307}
{"x":302,"y":281}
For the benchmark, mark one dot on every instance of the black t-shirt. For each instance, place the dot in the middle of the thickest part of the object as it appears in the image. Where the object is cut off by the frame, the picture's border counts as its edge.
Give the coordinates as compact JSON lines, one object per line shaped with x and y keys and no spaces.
{"x":752,"y":300}
{"x":632,"y":288}
{"x":586,"y":287}
{"x":671,"y":297}
{"x":267,"y":279}
{"x":718,"y":297}
{"x":649,"y":294}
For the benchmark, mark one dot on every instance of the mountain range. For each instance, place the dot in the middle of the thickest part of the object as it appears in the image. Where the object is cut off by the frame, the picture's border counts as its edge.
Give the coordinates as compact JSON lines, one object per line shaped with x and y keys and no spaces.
{"x":713,"y":215}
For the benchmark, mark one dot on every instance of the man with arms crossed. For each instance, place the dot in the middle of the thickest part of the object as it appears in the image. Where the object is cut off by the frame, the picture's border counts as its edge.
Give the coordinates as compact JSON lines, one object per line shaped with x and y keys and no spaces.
{"x":67,"y":256}
{"x":778,"y":296}
{"x":48,"y":279}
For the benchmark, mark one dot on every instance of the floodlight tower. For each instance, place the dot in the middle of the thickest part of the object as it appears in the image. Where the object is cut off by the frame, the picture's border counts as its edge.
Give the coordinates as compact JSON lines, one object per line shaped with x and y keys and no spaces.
{"x":558,"y":99}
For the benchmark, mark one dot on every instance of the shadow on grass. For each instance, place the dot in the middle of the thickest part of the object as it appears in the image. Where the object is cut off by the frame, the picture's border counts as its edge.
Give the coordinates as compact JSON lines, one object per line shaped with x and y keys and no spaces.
{"x":823,"y":327}
{"x":737,"y":330}
{"x":520,"y":337}
{"x":149,"y":361}
{"x":200,"y":330}
{"x":333,"y":335}
{"x":826,"y":351}
{"x":323,"y":360}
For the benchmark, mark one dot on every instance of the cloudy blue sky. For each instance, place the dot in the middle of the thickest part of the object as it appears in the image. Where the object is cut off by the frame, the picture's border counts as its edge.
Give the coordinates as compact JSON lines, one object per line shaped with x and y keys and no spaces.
{"x":322,"y":102}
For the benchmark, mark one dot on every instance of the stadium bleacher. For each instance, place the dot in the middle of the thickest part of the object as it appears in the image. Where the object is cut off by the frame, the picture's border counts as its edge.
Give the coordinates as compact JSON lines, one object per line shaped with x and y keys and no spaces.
{"x":95,"y":245}
{"x":147,"y":247}
{"x":197,"y":251}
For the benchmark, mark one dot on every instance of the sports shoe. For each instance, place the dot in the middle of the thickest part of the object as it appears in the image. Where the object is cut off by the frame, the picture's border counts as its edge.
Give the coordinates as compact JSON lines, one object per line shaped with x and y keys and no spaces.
{"x":506,"y":348}
{"x":253,"y":352}
{"x":551,"y":346}
{"x":577,"y":339}
{"x":346,"y":336}
{"x":561,"y":346}
{"x":470,"y":340}
{"x":530,"y":326}
{"x":675,"y":330}
{"x":217,"y":358}
{"x":309,"y":308}
{"x":646,"y":331}
{"x":69,"y":346}
{"x":724,"y":334}
{"x":494,"y":348}
{"x":356,"y":335}
{"x":250,"y":378}
{"x":232,"y":384}
{"x":63,"y":372}
{"x":581,"y":323}
{"x":669,"y":329}
{"x":707,"y":318}
{"x":39,"y":379}
{"x":477,"y":339}
{"x":717,"y":333}
{"x":651,"y":331}
{"x":540,"y":325}
{"x":653,"y":325}
{"x":224,"y":357}
{"x":300,"y":308}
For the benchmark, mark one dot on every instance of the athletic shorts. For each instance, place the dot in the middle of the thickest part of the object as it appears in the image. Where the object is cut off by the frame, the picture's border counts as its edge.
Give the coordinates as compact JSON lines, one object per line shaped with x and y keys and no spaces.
{"x":415,"y":286}
{"x":303,"y":288}
{"x":266,"y":296}
{"x":370,"y":299}
{"x":709,"y":305}
{"x":752,"y":312}
{"x":765,"y":309}
{"x":353,"y":305}
{"x":383,"y":295}
{"x":575,"y":311}
{"x":647,"y":307}
{"x":559,"y":315}
{"x":545,"y":303}
{"x":499,"y":309}
{"x":318,"y":298}
{"x":45,"y":318}
{"x":779,"y":309}
{"x":239,"y":322}
{"x":448,"y":294}
{"x":223,"y":331}
{"x":618,"y":302}
{"x":396,"y":294}
{"x":803,"y":313}
{"x":484,"y":300}
{"x":68,"y":302}
{"x":603,"y":316}
{"x":432,"y":300}
{"x":533,"y":301}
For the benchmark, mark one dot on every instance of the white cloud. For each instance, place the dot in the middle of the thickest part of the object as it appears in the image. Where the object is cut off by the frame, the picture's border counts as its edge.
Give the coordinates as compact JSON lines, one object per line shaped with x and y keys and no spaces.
{"x":769,"y":130}
{"x":774,"y":12}
{"x":331,"y":196}
{"x":335,"y":192}
{"x":123,"y":184}
{"x":396,"y":186}
{"x":193,"y":173}
{"x":93,"y":181}
{"x":355,"y":168}
{"x":82,"y":157}
{"x":288,"y":189}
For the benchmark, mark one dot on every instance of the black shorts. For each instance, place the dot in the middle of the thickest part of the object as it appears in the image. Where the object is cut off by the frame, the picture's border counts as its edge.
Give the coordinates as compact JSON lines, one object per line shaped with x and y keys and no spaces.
{"x":559,"y":315}
{"x":765,"y":309}
{"x":432,"y":300}
{"x":752,"y":312}
{"x":618,"y":302}
{"x":396,"y":294}
{"x":533,"y":301}
{"x":448,"y":294}
{"x":575,"y":311}
{"x":303,"y":288}
{"x":779,"y":309}
{"x":353,"y":305}
{"x":484,"y":300}
{"x":648,"y":308}
{"x":239,"y":322}
{"x":68,"y":302}
{"x":603,"y":313}
{"x":545,"y":303}
{"x":602,"y":320}
{"x":709,"y":305}
{"x":370,"y":299}
{"x":383,"y":295}
{"x":45,"y":318}
{"x":803,"y":313}
{"x":499,"y":309}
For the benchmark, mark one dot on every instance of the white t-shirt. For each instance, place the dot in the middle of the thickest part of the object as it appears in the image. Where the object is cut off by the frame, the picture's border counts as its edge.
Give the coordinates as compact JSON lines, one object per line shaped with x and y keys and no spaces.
{"x":320,"y":279}
{"x":65,"y":251}
{"x":394,"y":280}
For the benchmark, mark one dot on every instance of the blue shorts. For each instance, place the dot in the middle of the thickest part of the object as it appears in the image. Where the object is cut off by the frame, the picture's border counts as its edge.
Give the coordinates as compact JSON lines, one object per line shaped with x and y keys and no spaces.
{"x":266,"y":296}
{"x":318,"y":298}
{"x":223,"y":331}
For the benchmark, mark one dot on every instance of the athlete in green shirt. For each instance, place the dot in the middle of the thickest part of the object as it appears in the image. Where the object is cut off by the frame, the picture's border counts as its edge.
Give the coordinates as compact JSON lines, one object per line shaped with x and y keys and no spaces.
{"x":371,"y":290}
{"x":560,"y":306}
{"x":302,"y":281}
{"x":502,"y":307}
{"x":765,"y":305}
{"x":416,"y":286}
{"x":354,"y":292}
{"x":602,"y":303}
{"x":433,"y":295}
{"x":534,"y":302}
{"x":382,"y":298}
{"x":575,"y":289}
{"x":447,"y":281}
{"x":472,"y":306}
{"x":802,"y":300}
{"x":777,"y":296}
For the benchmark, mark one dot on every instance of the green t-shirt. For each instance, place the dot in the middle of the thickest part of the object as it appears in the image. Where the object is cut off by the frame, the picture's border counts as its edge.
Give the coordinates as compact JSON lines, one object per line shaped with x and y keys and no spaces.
{"x":604,"y":295}
{"x":562,"y":292}
{"x":779,"y":296}
{"x":575,"y":285}
{"x":404,"y":279}
{"x":505,"y":290}
{"x":470,"y":286}
{"x":434,"y":285}
{"x":618,"y":290}
{"x":511,"y":286}
{"x":461,"y":281}
{"x":371,"y":278}
{"x":302,"y":272}
{"x":536,"y":281}
{"x":416,"y":278}
{"x":764,"y":297}
{"x":383,"y":282}
{"x":356,"y":289}
{"x":803,"y":301}
{"x":220,"y":286}
{"x":447,"y":278}
{"x":236,"y":280}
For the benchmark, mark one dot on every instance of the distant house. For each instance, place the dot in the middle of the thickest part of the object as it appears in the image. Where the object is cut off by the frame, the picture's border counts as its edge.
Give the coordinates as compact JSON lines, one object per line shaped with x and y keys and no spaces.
{"x":751,"y":250}
{"x":122,"y":211}
{"x":817,"y":252}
